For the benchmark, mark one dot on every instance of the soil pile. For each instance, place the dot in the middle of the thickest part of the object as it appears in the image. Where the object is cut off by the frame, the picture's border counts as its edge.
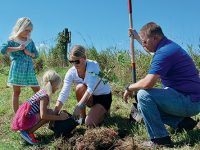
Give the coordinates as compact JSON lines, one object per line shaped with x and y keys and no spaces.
{"x":98,"y":139}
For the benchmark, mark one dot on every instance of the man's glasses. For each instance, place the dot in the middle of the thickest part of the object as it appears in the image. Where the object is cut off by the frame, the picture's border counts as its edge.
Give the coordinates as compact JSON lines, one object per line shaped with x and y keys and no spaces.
{"x":75,"y":62}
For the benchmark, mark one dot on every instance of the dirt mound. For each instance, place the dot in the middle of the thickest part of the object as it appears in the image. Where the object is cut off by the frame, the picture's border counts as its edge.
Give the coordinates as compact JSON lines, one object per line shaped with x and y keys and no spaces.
{"x":98,"y":139}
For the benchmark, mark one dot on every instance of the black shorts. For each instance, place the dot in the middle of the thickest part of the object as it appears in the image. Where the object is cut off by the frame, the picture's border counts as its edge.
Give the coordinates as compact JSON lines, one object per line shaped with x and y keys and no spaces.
{"x":104,"y":100}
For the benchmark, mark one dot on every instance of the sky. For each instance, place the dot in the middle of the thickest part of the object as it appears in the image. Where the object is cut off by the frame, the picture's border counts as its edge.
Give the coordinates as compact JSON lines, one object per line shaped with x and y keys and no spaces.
{"x":102,"y":23}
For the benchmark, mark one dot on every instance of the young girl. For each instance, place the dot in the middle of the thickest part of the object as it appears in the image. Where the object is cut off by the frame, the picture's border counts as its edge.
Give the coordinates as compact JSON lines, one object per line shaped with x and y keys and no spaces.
{"x":32,"y":114}
{"x":22,"y":50}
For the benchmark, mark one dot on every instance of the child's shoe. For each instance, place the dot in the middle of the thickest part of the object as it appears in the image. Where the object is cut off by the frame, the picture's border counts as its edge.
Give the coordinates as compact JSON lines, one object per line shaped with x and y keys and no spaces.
{"x":30,"y":138}
{"x":34,"y":140}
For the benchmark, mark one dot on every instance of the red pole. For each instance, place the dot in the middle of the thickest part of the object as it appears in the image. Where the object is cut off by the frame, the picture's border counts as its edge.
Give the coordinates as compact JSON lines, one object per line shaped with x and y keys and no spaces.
{"x":134,"y":115}
{"x":132,"y":43}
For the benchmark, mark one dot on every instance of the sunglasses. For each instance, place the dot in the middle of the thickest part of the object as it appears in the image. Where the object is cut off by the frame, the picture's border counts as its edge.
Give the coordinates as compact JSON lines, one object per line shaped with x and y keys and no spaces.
{"x":75,"y":62}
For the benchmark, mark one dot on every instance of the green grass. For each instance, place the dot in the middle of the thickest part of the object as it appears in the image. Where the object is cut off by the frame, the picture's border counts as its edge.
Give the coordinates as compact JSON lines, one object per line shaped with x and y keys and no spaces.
{"x":118,"y":120}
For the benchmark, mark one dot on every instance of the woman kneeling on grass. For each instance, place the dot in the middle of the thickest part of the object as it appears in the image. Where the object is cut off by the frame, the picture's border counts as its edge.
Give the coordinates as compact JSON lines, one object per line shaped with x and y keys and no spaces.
{"x":32,"y":114}
{"x":90,"y":90}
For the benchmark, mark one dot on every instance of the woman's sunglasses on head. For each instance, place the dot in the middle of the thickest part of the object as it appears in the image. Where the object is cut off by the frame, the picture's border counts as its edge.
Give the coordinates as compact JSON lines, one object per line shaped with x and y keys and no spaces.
{"x":75,"y":62}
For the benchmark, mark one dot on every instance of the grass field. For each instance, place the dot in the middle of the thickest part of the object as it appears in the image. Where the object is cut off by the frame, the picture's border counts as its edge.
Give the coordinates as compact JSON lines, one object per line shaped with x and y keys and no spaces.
{"x":118,"y":121}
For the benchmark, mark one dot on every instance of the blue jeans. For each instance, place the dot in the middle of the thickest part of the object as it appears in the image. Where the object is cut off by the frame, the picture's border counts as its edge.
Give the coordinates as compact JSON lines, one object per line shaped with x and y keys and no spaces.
{"x":164,"y":106}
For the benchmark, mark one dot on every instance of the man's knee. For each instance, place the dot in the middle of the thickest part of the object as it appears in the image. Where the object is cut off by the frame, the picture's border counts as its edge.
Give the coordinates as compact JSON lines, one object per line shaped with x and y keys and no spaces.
{"x":144,"y":97}
{"x":142,"y":94}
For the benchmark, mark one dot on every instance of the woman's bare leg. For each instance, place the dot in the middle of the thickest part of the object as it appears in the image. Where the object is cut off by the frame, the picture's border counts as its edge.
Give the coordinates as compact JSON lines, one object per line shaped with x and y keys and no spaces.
{"x":95,"y":115}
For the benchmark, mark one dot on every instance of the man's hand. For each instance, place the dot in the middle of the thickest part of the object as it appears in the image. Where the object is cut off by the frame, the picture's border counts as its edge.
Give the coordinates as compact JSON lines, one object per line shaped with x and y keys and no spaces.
{"x":133,"y":33}
{"x":126,"y":95}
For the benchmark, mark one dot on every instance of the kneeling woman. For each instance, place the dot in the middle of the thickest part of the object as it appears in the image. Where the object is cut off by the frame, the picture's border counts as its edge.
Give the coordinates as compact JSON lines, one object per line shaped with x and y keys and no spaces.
{"x":90,"y":91}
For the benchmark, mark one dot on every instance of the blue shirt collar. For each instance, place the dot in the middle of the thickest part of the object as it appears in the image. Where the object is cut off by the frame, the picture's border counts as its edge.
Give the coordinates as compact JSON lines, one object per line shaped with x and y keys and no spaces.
{"x":163,"y":42}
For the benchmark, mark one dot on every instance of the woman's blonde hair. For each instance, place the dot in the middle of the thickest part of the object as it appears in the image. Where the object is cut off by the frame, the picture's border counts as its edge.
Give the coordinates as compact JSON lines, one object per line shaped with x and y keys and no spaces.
{"x":77,"y":52}
{"x":51,"y":79}
{"x":21,"y":25}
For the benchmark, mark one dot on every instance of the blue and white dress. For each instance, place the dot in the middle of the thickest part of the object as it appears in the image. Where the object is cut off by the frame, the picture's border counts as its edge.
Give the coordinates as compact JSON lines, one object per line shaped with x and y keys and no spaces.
{"x":22,"y":71}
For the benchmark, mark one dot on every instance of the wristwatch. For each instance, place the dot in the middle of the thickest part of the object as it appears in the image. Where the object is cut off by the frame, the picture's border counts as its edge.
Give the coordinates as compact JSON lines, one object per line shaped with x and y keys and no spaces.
{"x":127,"y":88}
{"x":81,"y":105}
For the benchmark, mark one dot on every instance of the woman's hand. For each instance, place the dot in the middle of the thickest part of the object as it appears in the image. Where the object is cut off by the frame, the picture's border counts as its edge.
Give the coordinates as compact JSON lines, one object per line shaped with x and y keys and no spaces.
{"x":64,"y":116}
{"x":58,"y":107}
{"x":78,"y":109}
{"x":76,"y":112}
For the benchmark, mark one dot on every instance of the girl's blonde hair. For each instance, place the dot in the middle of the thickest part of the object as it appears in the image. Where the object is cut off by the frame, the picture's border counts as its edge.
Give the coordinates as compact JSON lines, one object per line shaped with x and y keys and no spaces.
{"x":21,"y":25}
{"x":51,"y":79}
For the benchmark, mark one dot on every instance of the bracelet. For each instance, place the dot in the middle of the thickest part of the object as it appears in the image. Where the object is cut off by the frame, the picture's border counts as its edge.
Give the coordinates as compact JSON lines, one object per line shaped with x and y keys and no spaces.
{"x":81,"y":105}
{"x":127,"y":88}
